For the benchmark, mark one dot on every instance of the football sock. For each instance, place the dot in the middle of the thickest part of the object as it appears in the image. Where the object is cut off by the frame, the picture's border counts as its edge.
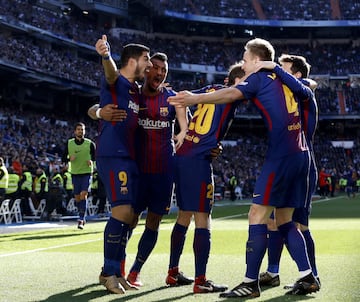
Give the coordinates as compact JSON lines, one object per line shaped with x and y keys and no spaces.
{"x":275,"y":247}
{"x":295,"y":244}
{"x":201,"y":247}
{"x":123,"y":260}
{"x":255,"y":250}
{"x":310,"y":246}
{"x":115,"y":240}
{"x":145,"y":247}
{"x":178,"y":236}
{"x":82,"y":208}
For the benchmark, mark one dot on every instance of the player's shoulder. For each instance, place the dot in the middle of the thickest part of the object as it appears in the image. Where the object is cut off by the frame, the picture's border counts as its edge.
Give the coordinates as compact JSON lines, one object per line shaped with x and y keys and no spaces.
{"x":88,"y":140}
{"x":167,"y":91}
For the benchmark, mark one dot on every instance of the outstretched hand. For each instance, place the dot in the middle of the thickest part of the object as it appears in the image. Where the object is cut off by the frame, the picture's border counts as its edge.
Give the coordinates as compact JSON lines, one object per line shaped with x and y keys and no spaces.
{"x":182,"y":99}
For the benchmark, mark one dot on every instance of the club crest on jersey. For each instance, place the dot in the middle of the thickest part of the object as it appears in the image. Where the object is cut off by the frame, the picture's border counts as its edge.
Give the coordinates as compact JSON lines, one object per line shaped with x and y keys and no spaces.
{"x":164,"y":111}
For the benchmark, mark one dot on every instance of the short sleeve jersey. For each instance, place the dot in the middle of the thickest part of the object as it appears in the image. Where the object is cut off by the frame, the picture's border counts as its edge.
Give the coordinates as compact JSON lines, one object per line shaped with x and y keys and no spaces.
{"x":117,"y":139}
{"x":207,"y":127}
{"x":155,"y":144}
{"x":279,"y":110}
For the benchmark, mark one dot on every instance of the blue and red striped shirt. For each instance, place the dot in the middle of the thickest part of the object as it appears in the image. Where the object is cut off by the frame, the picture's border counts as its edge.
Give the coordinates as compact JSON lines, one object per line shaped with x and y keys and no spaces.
{"x":155,"y":143}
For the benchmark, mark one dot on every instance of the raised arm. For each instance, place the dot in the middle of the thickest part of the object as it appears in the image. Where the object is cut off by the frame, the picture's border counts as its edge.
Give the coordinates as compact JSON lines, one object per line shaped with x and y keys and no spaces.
{"x":297,"y":87}
{"x":103,"y":49}
{"x":221,"y":96}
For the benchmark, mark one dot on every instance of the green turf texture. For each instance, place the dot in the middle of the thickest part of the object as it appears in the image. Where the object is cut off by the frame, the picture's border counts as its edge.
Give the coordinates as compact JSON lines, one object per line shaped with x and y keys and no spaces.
{"x":63,"y":264}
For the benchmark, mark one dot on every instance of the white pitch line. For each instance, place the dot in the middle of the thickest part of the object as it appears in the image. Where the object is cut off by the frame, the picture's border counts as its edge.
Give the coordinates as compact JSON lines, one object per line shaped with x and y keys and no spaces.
{"x":48,"y":248}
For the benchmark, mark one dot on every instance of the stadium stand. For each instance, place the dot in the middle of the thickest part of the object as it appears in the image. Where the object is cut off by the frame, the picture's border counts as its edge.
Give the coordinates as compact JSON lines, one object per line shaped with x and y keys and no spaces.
{"x":50,"y":72}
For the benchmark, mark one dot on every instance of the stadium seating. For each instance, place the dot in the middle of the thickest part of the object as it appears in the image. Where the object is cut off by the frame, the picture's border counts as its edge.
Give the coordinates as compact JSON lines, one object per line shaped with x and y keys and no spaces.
{"x":37,"y":211}
{"x":15,"y":212}
{"x":5,"y":211}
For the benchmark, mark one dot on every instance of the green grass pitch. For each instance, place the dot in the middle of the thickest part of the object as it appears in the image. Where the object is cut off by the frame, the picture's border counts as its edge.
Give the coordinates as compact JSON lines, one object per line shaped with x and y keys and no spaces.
{"x":62,"y":263}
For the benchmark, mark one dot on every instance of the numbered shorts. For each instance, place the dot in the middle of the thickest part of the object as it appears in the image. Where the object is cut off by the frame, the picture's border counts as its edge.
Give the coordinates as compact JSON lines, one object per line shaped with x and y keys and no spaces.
{"x":120,"y":177}
{"x":194,"y":184}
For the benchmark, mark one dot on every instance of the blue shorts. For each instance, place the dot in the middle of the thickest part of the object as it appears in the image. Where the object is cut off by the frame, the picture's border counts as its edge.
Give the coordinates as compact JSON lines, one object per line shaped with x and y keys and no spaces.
{"x":81,"y":183}
{"x":301,"y":215}
{"x":194,"y":184}
{"x":120,"y":177}
{"x":155,"y":193}
{"x":282,"y":183}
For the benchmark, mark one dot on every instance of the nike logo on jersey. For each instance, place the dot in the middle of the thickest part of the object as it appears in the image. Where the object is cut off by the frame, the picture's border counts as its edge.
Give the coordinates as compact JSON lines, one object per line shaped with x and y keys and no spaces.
{"x":256,"y":195}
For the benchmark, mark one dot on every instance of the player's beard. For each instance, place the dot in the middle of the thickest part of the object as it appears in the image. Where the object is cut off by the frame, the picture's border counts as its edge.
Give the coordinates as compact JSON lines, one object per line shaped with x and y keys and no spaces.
{"x":139,"y":75}
{"x":152,"y":88}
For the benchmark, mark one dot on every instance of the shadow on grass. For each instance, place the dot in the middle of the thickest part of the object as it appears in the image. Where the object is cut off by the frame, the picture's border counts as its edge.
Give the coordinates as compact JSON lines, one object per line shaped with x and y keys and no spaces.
{"x":94,"y":291}
{"x":136,"y":295}
{"x":85,"y":294}
{"x":77,"y":295}
{"x":283,"y":298}
{"x":53,"y":236}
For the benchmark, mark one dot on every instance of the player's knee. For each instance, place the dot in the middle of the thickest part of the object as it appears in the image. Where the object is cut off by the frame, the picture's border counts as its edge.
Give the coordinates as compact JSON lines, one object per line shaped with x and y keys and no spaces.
{"x":83,"y":195}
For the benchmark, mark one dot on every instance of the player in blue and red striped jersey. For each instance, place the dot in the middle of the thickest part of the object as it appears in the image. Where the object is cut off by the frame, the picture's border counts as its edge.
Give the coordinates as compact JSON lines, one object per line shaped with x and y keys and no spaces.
{"x":195,"y":185}
{"x":156,"y":145}
{"x":282,"y":181}
{"x":297,"y":67}
{"x":115,"y":157}
{"x":156,"y":148}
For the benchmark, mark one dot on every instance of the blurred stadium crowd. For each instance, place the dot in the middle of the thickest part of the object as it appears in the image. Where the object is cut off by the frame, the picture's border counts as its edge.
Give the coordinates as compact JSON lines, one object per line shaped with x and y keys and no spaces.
{"x":276,"y":10}
{"x":60,"y":44}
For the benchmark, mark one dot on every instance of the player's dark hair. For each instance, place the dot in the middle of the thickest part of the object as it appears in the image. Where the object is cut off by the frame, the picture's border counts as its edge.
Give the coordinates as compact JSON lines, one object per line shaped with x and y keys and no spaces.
{"x":159,"y":56}
{"x":79,"y":124}
{"x":235,"y":71}
{"x":133,"y":51}
{"x":261,"y":48}
{"x":299,"y":64}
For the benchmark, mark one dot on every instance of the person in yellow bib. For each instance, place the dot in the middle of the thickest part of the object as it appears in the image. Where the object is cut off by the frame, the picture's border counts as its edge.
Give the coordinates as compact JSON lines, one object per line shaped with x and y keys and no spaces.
{"x":12,"y":191}
{"x":4,"y":179}
{"x":79,"y":155}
